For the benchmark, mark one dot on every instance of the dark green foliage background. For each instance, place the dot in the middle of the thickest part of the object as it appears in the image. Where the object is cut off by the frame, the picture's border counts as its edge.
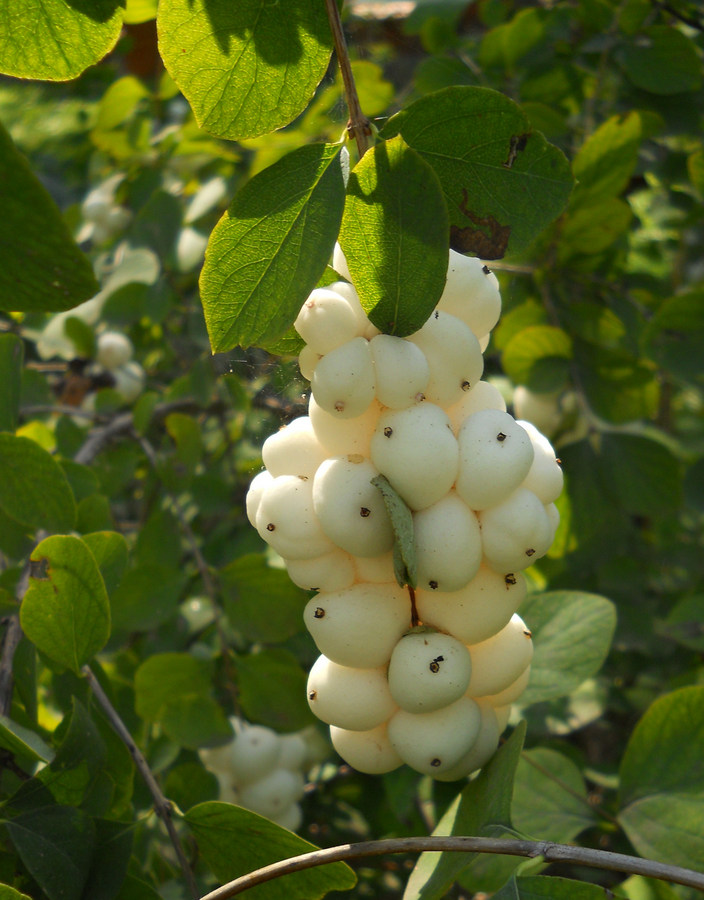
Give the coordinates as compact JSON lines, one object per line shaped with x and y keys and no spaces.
{"x":139,"y":511}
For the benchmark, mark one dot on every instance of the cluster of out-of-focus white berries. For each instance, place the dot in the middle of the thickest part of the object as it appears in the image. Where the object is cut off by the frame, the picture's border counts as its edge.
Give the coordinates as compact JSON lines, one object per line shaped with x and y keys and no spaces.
{"x":264,"y":771}
{"x":422,"y":677}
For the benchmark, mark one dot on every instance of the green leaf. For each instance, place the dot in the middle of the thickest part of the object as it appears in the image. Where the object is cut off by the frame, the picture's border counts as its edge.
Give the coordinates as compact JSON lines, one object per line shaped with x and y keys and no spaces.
{"x":235,"y":841}
{"x":503,"y":182}
{"x":11,"y":361}
{"x":110,"y":551}
{"x":9,"y":893}
{"x":685,"y":622}
{"x":394,"y":235}
{"x":34,"y":490}
{"x":56,"y":40}
{"x":642,"y":473}
{"x":147,"y":596}
{"x":675,"y":335}
{"x":405,"y":567}
{"x":246,"y":68}
{"x":21,"y":741}
{"x":41,"y":267}
{"x":662,"y":60}
{"x":549,"y":887}
{"x":55,"y":843}
{"x":173,"y":689}
{"x":538,"y":356}
{"x":606,"y":160}
{"x":65,"y":612}
{"x":272,"y":689}
{"x":662,"y":780}
{"x":549,"y":797}
{"x":572,"y":633}
{"x":262,"y":602}
{"x":591,"y":228}
{"x":483,"y":809}
{"x":268,"y":251}
{"x":113,"y":847}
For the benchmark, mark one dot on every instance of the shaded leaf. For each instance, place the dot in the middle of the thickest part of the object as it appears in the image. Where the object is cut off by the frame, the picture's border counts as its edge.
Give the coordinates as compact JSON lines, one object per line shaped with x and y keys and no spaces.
{"x":34,"y":490}
{"x":605,"y":162}
{"x":642,"y":473}
{"x":405,"y":567}
{"x":544,"y":887}
{"x":11,"y":360}
{"x":268,"y":251}
{"x":503,"y":182}
{"x":41,"y":267}
{"x":246,"y":68}
{"x":273,"y":690}
{"x":662,"y":60}
{"x":394,"y":235}
{"x":235,"y":841}
{"x":662,"y":780}
{"x":572,"y":633}
{"x":110,"y":551}
{"x":21,"y":741}
{"x":483,"y":809}
{"x":65,"y":612}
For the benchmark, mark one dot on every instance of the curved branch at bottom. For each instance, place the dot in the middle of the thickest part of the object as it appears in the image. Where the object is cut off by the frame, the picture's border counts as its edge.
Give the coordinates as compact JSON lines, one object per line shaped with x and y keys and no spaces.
{"x":599,"y":859}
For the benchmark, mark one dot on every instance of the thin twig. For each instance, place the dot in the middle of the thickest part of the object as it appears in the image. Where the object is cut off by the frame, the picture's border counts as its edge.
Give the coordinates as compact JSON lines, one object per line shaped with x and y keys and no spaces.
{"x":358,"y":125}
{"x":162,"y":806}
{"x":10,"y":640}
{"x":600,"y":859}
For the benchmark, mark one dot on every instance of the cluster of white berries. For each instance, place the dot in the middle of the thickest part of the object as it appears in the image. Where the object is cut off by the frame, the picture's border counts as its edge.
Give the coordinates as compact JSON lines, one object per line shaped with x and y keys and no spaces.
{"x":263,"y":771}
{"x":114,"y":355}
{"x":481,"y":489}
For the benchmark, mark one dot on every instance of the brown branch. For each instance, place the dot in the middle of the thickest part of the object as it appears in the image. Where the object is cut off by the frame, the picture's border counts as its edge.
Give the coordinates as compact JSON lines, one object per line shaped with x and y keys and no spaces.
{"x":600,"y":859}
{"x":358,"y":125}
{"x":162,"y":806}
{"x":10,"y":640}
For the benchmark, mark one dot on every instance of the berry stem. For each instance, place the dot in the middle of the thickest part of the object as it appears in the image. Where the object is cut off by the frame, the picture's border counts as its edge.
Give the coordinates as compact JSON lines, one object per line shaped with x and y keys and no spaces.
{"x":415,"y":618}
{"x":358,"y":124}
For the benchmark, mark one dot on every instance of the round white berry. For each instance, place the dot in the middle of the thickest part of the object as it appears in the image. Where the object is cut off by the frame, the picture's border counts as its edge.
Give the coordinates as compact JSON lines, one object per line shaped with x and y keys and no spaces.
{"x":129,"y":380}
{"x":254,"y":753}
{"x":495,"y":455}
{"x":418,"y":453}
{"x":448,"y":544}
{"x":454,"y":358}
{"x":366,"y":751}
{"x":498,"y":661}
{"x":434,"y":742}
{"x":481,"y":750}
{"x":113,"y":349}
{"x":273,"y":794}
{"x":293,"y":450}
{"x":544,"y":478}
{"x":516,"y":532}
{"x":377,"y":569}
{"x":355,"y":699}
{"x":359,"y":626}
{"x":331,"y":572}
{"x":477,"y":611}
{"x":343,"y":381}
{"x":257,"y":486}
{"x":286,"y":521}
{"x":471,"y":293}
{"x":428,"y":670}
{"x":484,"y":395}
{"x":350,"y":508}
{"x":401,"y":370}
{"x":343,"y":436}
{"x":326,"y":321}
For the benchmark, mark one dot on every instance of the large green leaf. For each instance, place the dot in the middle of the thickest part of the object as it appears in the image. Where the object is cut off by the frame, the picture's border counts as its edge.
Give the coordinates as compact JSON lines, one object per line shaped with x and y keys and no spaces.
{"x":11,"y":359}
{"x":396,"y":257}
{"x":272,"y":689}
{"x":248,"y":67}
{"x":606,"y":160}
{"x":173,"y":689}
{"x":270,"y":248}
{"x":502,"y":181}
{"x":41,"y":268}
{"x":572,"y":633}
{"x":675,"y":335}
{"x":549,"y":797}
{"x":483,"y":809}
{"x":33,"y":488}
{"x":147,"y":596}
{"x":65,"y":612}
{"x":662,"y":60}
{"x":21,"y":741}
{"x":235,"y":841}
{"x":55,"y":843}
{"x":538,"y":356}
{"x":642,"y":473}
{"x":662,"y":780}
{"x":260,"y":601}
{"x":56,"y":39}
{"x":544,"y":887}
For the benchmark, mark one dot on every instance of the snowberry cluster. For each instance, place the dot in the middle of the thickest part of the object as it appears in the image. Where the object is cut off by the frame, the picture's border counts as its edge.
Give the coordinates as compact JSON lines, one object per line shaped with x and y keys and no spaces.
{"x":481,"y":488}
{"x":263,"y":771}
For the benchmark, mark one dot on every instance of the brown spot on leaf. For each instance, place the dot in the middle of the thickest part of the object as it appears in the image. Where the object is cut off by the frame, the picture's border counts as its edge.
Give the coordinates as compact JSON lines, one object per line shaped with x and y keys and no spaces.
{"x":39,"y":569}
{"x":488,"y":240}
{"x":517,"y":145}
